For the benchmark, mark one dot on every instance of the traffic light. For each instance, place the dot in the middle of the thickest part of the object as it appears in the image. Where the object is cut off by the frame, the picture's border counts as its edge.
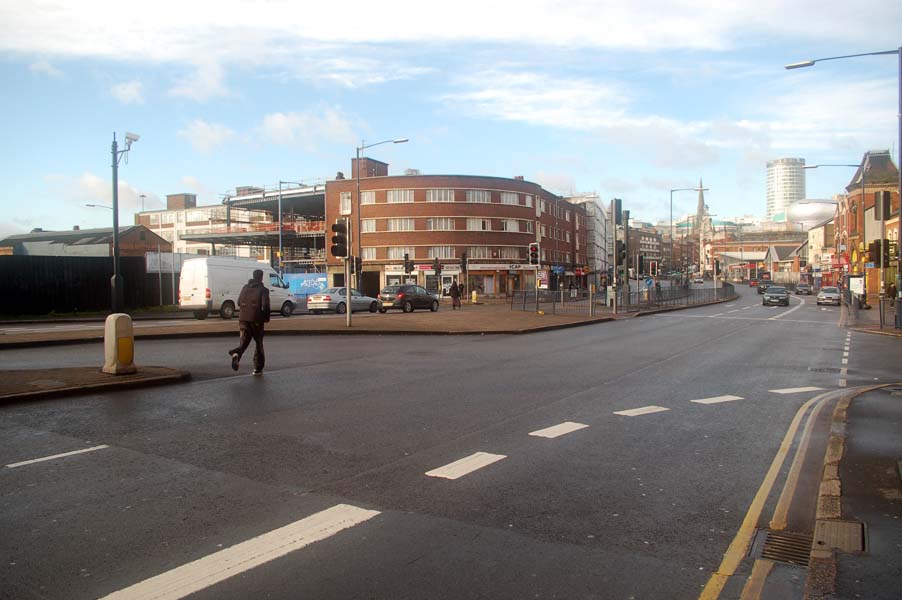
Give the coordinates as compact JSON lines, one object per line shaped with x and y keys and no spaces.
{"x":653,"y":268}
{"x":463,"y":262}
{"x":620,"y":252}
{"x":339,"y":247}
{"x":408,"y":264}
{"x":618,"y":211}
{"x":358,"y":265}
{"x":641,"y":265}
{"x":874,"y":251}
{"x":534,"y":253}
{"x":437,"y":266}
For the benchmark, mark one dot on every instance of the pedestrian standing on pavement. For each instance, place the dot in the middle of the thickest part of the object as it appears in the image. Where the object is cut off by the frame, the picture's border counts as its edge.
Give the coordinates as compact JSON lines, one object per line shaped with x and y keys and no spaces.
{"x":253,"y":303}
{"x":455,"y":296}
{"x":891,"y":291}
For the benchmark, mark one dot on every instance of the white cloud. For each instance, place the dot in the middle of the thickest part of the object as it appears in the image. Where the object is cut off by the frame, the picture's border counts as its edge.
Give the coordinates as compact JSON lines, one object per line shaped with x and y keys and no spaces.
{"x":128,"y":92}
{"x":197,"y":187}
{"x":207,"y":81}
{"x":204,"y":136}
{"x":42,"y":67}
{"x":307,"y":128}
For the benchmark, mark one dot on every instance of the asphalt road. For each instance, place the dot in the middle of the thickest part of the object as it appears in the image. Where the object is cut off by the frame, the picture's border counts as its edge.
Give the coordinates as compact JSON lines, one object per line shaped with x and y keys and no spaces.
{"x":342,"y":458}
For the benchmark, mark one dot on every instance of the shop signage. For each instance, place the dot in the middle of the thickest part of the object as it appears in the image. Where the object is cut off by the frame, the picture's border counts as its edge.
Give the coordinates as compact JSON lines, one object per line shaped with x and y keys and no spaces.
{"x":501,"y":267}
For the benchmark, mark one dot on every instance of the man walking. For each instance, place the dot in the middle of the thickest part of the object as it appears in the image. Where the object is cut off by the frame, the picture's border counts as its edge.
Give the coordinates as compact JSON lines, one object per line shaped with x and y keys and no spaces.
{"x":454,"y":292}
{"x":253,"y":303}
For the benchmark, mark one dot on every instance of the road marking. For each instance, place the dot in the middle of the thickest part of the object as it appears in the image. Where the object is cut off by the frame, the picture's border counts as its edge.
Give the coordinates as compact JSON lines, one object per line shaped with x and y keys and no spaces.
{"x":732,"y":311}
{"x":558,"y":430}
{"x":845,"y":354}
{"x":645,"y":410}
{"x":219,"y":566}
{"x":842,"y":383}
{"x":712,"y":316}
{"x":796,"y":390}
{"x":747,"y":307}
{"x":844,"y":371}
{"x":37,"y":460}
{"x":789,"y":312}
{"x":462,"y":467}
{"x":845,"y":361}
{"x":755,"y":584}
{"x":739,"y":546}
{"x":717,"y":399}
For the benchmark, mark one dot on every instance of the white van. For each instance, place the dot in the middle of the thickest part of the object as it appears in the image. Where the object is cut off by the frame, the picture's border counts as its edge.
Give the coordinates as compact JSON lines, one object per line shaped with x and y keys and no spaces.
{"x":213,"y":283}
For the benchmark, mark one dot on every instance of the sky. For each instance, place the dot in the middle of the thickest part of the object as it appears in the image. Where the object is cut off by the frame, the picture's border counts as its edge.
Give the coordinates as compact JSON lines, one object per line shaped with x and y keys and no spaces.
{"x":623,"y":99}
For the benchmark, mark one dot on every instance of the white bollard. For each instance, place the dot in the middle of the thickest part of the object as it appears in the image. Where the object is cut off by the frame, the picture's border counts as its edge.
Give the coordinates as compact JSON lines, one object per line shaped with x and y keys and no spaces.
{"x":119,"y":345}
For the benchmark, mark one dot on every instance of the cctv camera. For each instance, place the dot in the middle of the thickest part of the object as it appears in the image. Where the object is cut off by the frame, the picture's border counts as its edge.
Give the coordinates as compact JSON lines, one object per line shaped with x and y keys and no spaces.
{"x":131,"y":137}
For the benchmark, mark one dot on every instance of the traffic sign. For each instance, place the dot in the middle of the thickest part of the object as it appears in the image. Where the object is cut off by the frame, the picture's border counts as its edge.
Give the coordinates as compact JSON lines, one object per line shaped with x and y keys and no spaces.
{"x":649,"y":282}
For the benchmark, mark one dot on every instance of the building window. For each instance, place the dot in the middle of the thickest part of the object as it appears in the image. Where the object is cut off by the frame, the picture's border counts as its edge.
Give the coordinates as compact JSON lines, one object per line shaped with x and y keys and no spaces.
{"x":479,"y":196}
{"x":398,"y":252}
{"x":440,"y":224}
{"x":478,"y":252}
{"x":568,"y":236}
{"x":155,"y":219}
{"x":399,"y":224}
{"x":544,"y":231}
{"x":527,"y":226}
{"x":510,"y":225}
{"x":167,"y":218}
{"x":369,"y":254}
{"x":528,"y":198}
{"x":367,"y":225}
{"x":510,"y":198}
{"x":544,"y":255}
{"x":479,"y":225}
{"x":509,"y":253}
{"x":439,"y":195}
{"x":345,"y":203}
{"x":441,"y":252}
{"x":400,"y":196}
{"x":367,"y":197}
{"x":567,"y":215}
{"x":542,"y":203}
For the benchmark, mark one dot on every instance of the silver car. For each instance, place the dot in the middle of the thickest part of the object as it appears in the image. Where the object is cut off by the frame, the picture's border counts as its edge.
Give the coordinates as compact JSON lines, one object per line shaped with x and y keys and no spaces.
{"x":333,"y":300}
{"x":828,"y":295}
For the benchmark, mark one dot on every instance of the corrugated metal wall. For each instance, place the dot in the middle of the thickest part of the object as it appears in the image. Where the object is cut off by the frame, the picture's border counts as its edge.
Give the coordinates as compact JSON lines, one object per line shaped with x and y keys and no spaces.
{"x":36,"y":285}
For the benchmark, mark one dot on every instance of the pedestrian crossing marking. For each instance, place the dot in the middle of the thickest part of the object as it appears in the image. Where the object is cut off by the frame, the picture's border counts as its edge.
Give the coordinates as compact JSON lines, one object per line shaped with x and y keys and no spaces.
{"x":558,"y":430}
{"x":645,"y":410}
{"x":717,"y":399}
{"x":796,"y":390}
{"x":465,"y":465}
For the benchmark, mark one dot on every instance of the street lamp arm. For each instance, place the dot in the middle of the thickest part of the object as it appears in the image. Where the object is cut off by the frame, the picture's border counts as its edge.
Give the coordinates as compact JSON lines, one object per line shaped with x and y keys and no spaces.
{"x":810,"y":63}
{"x":397,"y":141}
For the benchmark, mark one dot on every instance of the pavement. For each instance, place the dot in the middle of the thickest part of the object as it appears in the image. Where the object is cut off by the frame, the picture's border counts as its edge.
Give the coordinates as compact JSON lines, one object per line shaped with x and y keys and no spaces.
{"x":862,"y":478}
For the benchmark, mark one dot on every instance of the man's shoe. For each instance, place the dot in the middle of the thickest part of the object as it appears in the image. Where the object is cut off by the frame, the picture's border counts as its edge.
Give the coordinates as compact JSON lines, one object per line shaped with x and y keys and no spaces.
{"x":235,"y":359}
{"x":258,"y":371}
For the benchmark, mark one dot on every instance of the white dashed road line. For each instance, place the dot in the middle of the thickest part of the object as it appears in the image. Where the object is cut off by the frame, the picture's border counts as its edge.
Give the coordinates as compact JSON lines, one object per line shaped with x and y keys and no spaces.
{"x":209,"y":570}
{"x":645,"y":410}
{"x":467,"y":465}
{"x":558,"y":430}
{"x":717,"y":399}
{"x":55,"y":456}
{"x":796,"y":390}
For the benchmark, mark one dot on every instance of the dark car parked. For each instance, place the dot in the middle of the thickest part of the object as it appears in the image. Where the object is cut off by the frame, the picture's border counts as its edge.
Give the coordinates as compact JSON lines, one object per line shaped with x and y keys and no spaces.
{"x":803,"y":288}
{"x":775,"y":295}
{"x":407,"y":297}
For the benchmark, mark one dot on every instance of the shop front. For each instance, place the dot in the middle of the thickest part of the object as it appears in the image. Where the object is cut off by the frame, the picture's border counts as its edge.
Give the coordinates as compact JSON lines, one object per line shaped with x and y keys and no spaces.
{"x":500,"y":280}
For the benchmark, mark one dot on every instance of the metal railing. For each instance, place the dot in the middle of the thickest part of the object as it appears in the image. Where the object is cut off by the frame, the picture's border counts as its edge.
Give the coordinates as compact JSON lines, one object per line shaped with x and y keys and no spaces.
{"x":561,"y":302}
{"x":580,"y":302}
{"x":674,"y":296}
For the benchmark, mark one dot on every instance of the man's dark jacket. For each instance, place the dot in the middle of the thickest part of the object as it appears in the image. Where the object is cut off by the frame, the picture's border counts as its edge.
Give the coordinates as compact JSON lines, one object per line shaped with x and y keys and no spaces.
{"x":254,"y":303}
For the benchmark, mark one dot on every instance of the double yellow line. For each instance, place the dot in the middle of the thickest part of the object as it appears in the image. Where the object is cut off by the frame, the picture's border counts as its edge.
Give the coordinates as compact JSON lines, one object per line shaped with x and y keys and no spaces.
{"x":739,"y":546}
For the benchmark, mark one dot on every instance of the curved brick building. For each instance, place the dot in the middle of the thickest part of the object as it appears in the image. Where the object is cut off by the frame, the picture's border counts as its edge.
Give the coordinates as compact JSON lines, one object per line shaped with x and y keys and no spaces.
{"x":491,"y":220}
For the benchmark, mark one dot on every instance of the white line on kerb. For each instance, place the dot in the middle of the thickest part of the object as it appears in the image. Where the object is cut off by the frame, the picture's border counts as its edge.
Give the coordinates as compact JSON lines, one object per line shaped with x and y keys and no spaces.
{"x":466,"y":465}
{"x":845,"y":361}
{"x":558,"y":430}
{"x":219,"y":566}
{"x":717,"y":399}
{"x":37,"y":460}
{"x":645,"y":410}
{"x":796,"y":390}
{"x":842,"y":383}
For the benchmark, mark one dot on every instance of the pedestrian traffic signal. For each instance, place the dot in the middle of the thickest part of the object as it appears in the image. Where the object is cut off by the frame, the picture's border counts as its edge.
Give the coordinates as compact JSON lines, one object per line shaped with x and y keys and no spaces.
{"x":339,"y":247}
{"x":534,"y":254}
{"x":437,"y":266}
{"x":408,"y":264}
{"x":463,"y":262}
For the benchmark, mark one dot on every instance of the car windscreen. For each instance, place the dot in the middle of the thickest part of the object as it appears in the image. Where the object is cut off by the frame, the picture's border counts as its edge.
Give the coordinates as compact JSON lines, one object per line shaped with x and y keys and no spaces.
{"x":776,"y":290}
{"x":830,"y":290}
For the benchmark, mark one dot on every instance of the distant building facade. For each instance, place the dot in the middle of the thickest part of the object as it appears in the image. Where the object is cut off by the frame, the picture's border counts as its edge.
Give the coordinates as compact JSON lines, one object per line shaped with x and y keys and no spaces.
{"x":785,"y":185}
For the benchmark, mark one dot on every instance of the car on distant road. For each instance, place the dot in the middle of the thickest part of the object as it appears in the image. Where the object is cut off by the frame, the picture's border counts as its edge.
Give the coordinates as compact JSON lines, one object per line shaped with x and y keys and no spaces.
{"x":407,"y":297}
{"x":828,"y":295}
{"x":753,"y":283}
{"x":698,"y":280}
{"x":775,"y":295}
{"x":333,"y":300}
{"x":803,"y":288}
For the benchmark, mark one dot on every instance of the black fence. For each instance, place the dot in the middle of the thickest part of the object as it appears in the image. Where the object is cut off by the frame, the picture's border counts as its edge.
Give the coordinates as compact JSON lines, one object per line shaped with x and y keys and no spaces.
{"x":566,"y":302}
{"x":37,"y":285}
{"x":674,"y":296}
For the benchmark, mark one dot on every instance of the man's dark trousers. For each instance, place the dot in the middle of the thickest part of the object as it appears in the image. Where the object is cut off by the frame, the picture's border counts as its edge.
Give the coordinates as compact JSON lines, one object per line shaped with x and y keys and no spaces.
{"x":249,"y":330}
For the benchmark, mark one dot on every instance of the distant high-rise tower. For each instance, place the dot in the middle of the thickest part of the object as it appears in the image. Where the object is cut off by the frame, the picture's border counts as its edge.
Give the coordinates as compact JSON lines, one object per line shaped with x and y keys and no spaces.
{"x":785,"y":184}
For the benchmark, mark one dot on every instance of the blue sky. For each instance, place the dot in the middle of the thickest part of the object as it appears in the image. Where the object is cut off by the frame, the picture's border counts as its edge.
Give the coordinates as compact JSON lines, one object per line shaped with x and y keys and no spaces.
{"x":623,"y":99}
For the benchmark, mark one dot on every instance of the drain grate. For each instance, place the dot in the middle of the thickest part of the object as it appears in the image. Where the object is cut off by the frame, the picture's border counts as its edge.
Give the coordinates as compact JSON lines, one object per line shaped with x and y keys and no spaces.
{"x":823,"y":369}
{"x":783,"y":546}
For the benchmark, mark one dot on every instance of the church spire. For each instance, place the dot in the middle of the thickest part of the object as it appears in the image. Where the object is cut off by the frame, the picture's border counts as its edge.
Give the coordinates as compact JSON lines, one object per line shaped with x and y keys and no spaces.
{"x":700,"y":211}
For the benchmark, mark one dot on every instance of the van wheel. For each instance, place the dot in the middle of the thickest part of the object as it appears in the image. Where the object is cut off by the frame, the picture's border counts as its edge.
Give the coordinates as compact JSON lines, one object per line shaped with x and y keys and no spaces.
{"x":408,"y":307}
{"x":227,"y":310}
{"x":200,"y":314}
{"x":434,"y":306}
{"x":341,"y":308}
{"x":374,"y":307}
{"x":287,"y":309}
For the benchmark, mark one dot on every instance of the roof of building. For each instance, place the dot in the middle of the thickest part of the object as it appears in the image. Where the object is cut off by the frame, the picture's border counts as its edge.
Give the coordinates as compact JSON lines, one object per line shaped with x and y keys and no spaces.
{"x":70,"y":236}
{"x":880,"y":170}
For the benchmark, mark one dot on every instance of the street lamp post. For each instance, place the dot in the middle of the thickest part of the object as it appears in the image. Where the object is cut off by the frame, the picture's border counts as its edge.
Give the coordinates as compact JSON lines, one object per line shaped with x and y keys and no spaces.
{"x":116,"y":283}
{"x":281,"y":250}
{"x":898,"y":52}
{"x":363,"y":146}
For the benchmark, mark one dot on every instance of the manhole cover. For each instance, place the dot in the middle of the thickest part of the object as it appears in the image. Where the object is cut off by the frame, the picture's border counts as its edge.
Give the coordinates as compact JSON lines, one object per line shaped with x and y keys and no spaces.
{"x":824,"y":369}
{"x":847,"y":536}
{"x":782,"y":546}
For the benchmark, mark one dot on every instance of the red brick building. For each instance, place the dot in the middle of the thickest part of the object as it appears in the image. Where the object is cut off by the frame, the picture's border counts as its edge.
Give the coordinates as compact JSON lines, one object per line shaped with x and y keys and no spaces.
{"x":489,"y":220}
